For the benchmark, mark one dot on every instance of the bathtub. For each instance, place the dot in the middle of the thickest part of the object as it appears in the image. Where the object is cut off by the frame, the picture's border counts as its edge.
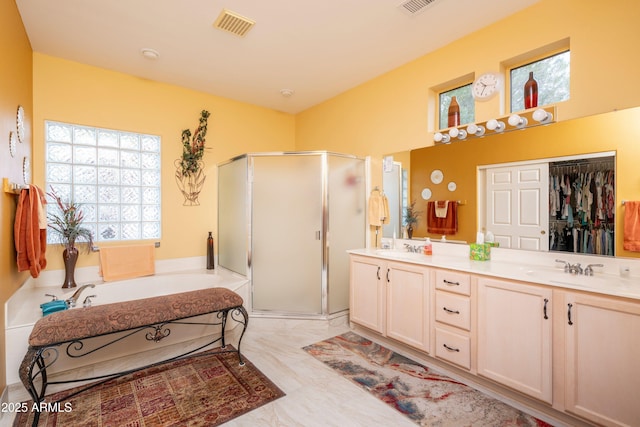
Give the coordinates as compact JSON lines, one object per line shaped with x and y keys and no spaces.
{"x":22,"y":310}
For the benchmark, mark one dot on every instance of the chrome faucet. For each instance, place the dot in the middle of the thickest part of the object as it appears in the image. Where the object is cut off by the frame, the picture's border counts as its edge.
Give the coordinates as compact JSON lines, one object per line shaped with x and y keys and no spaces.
{"x":575,"y":269}
{"x":567,"y":266}
{"x":413,"y":249}
{"x":588,"y":271}
{"x":74,"y":298}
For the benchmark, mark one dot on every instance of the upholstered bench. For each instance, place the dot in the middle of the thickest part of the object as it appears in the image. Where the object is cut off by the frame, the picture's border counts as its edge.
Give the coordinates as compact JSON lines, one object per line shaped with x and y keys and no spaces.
{"x":70,"y":329}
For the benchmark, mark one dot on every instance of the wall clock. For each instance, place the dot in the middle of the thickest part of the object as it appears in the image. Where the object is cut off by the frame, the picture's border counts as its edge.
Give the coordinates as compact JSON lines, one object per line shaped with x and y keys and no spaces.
{"x":486,"y":86}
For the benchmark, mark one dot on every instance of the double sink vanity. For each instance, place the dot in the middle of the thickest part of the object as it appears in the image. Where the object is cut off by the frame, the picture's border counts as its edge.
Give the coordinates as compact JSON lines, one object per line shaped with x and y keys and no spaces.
{"x":521,"y":325}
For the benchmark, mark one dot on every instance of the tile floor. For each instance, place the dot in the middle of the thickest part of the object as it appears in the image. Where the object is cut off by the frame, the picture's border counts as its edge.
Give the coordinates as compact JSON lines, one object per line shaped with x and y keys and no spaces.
{"x":315,"y":394}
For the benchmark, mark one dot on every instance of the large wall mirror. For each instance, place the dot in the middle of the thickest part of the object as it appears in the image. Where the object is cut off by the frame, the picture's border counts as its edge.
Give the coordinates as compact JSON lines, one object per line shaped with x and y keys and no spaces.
{"x":595,"y":155}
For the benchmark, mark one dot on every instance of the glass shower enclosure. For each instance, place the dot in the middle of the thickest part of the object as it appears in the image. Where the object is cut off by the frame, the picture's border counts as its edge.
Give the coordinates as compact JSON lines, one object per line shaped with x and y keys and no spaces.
{"x":286,"y":220}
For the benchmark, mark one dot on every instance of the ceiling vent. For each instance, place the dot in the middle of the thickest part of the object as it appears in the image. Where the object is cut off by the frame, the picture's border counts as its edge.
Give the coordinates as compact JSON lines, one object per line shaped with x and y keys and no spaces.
{"x":233,"y":23}
{"x":413,"y":7}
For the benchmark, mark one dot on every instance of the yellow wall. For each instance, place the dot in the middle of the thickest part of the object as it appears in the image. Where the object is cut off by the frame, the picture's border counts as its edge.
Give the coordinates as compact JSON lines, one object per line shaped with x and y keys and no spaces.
{"x":396,"y":111}
{"x":71,"y":92}
{"x":15,"y":89}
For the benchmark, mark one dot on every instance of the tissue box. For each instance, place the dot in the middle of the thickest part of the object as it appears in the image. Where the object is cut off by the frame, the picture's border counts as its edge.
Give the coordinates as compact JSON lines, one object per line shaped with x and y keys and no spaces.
{"x":493,"y":244}
{"x":480,"y":251}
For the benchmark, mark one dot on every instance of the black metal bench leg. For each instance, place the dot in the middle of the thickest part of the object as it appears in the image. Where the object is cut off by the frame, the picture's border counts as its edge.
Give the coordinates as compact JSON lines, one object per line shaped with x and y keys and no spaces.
{"x":245,"y":322}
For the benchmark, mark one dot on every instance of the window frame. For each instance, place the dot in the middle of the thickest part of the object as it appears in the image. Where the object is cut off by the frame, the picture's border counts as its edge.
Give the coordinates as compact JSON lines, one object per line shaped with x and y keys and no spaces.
{"x":442,"y":116}
{"x":528,"y":61}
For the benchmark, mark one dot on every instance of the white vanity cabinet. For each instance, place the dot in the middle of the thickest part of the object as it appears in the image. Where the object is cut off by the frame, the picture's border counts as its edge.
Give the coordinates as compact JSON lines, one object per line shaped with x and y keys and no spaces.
{"x":453,"y":317}
{"x":368,"y":278}
{"x":602,"y":357}
{"x":391,"y":298}
{"x":515,"y":336}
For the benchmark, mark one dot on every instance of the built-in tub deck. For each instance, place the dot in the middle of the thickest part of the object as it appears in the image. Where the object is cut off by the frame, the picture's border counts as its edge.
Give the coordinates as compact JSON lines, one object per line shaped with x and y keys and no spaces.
{"x":74,"y":331}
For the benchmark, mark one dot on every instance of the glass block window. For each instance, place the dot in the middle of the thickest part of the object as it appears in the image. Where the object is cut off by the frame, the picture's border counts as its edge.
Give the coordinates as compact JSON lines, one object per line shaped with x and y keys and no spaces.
{"x":114,"y":175}
{"x":553,"y":78}
{"x":465,"y":101}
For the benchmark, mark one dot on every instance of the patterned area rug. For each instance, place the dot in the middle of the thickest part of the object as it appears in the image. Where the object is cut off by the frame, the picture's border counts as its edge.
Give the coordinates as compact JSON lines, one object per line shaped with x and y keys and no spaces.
{"x":422,"y":394}
{"x":205,"y":390}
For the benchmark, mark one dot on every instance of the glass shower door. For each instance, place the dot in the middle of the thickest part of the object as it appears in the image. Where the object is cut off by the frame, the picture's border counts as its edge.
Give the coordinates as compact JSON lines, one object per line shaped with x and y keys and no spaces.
{"x":287,"y":239}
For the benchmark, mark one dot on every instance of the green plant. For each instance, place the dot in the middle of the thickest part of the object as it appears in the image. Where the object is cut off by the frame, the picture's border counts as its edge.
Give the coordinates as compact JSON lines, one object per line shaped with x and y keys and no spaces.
{"x":68,"y":223}
{"x":193,"y":147}
{"x":411,"y":214}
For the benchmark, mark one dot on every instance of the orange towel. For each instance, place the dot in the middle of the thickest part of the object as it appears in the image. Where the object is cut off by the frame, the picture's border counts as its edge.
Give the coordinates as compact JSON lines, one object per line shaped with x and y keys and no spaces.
{"x":127,"y":262}
{"x":442,"y":225}
{"x":30,"y":240}
{"x":631,"y":226}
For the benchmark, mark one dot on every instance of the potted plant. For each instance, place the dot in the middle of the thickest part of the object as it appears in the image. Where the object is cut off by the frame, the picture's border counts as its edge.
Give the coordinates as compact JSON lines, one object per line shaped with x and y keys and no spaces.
{"x":189,"y":174}
{"x":410,"y":218}
{"x":67,"y":223}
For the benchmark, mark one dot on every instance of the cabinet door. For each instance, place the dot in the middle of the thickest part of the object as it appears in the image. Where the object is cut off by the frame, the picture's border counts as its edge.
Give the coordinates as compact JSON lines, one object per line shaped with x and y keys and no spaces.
{"x":514,"y":336}
{"x":408,"y":302}
{"x":603,"y":359}
{"x":366,"y":292}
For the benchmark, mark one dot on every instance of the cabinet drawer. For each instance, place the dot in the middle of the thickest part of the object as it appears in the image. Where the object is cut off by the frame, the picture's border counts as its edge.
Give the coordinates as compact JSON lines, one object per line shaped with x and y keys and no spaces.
{"x":454,"y":310}
{"x":459,"y":283}
{"x":453,"y":347}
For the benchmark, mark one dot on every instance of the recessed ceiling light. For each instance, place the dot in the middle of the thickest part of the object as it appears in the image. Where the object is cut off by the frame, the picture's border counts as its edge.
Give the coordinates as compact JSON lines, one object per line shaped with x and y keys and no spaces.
{"x":287,"y":93}
{"x":149,"y":53}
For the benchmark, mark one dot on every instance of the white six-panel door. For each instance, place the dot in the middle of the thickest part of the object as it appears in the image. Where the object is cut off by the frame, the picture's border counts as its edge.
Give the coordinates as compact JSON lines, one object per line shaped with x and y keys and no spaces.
{"x":516,"y":205}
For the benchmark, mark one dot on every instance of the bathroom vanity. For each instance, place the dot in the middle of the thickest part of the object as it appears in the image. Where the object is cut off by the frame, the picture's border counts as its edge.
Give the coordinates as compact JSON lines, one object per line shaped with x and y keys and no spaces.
{"x":560,"y":343}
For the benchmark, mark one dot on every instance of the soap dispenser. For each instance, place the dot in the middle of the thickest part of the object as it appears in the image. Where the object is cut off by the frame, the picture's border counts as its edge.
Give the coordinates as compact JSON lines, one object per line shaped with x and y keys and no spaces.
{"x":428,"y":247}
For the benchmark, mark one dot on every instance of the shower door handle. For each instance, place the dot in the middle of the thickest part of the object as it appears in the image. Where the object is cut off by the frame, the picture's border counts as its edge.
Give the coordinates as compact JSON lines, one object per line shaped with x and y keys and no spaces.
{"x":318,"y":235}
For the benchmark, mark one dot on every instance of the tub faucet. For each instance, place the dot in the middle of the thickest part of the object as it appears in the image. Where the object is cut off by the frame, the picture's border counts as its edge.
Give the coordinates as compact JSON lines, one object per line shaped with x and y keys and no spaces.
{"x":74,"y":298}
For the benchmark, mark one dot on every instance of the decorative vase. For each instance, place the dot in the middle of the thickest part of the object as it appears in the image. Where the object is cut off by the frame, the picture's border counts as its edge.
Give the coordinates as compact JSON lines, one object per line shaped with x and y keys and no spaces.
{"x":70,"y":257}
{"x":190,"y":184}
{"x":409,"y":231}
{"x":454,"y":112}
{"x":210,"y":258}
{"x":530,"y":92}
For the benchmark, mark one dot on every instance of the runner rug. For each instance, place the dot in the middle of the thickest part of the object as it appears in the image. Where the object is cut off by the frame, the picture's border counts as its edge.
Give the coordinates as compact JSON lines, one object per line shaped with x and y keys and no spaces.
{"x":205,"y":390}
{"x":425,"y":396}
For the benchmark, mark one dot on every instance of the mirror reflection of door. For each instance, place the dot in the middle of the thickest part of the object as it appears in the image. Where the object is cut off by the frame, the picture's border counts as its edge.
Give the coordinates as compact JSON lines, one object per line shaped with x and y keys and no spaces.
{"x":392,"y":185}
{"x":563,"y":205}
{"x":516,"y":202}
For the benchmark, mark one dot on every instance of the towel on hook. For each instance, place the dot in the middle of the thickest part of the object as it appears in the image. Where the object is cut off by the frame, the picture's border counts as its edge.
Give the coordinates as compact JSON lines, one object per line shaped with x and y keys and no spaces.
{"x":127,"y":262}
{"x":446,"y":225}
{"x":631,"y":240}
{"x":378,"y":209}
{"x":30,"y":231}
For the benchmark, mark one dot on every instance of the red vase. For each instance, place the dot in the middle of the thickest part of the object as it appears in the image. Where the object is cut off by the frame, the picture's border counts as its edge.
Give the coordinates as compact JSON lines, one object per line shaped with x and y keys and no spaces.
{"x":454,"y":113}
{"x":530,"y":92}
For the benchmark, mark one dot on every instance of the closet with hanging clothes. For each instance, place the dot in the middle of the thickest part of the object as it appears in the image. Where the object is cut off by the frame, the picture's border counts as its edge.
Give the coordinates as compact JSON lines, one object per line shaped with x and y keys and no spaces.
{"x":582,"y":206}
